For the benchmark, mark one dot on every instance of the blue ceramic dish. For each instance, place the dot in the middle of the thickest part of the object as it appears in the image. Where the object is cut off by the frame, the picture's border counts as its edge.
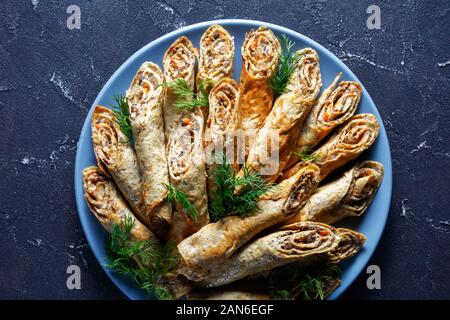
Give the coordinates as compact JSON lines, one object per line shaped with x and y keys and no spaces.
{"x":371,"y":224}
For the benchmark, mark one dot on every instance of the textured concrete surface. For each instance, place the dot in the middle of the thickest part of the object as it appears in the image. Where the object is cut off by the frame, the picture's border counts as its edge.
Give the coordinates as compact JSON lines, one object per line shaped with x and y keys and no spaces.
{"x":49,"y":76}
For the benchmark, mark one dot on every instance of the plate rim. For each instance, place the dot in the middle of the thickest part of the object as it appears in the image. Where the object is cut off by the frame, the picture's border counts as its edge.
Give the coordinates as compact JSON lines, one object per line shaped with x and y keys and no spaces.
{"x":79,"y":197}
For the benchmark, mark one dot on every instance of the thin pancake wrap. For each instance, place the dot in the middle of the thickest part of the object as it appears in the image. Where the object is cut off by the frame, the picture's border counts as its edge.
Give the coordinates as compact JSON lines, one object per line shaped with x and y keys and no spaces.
{"x":217,"y":241}
{"x":107,"y":204}
{"x":178,"y":63}
{"x":335,"y":106}
{"x":188,"y":174}
{"x":349,"y":195}
{"x":216,"y":56}
{"x":286,"y":117}
{"x":352,"y":139}
{"x":303,"y":244}
{"x":116,"y":158}
{"x":350,"y":243}
{"x":260,"y":56}
{"x":221,"y":124}
{"x":144,"y":98}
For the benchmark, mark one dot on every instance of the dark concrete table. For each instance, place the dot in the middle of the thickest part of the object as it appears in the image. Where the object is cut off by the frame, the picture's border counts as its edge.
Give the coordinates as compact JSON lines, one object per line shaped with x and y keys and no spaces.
{"x":50,"y":75}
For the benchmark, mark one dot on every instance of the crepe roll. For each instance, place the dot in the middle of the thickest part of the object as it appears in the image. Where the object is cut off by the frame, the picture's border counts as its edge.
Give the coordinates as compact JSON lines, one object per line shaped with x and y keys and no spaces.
{"x":336,"y":105}
{"x":178,"y":63}
{"x":350,"y":244}
{"x":106,"y":203}
{"x":109,"y":207}
{"x":352,"y":139}
{"x":145,"y":99}
{"x":187,"y":173}
{"x":302,"y":243}
{"x":216,"y":56}
{"x":260,"y":55}
{"x":221,"y":125}
{"x":285,"y":119}
{"x":217,"y":241}
{"x":349,"y":195}
{"x":116,"y":158}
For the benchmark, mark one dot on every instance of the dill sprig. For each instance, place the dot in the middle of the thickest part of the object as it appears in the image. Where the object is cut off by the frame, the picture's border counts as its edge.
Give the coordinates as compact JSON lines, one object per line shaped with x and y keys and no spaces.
{"x":175,"y":195}
{"x":225,"y":201}
{"x":142,"y":261}
{"x":289,"y":283}
{"x":286,"y":66}
{"x":307,"y":156}
{"x":122,"y":113}
{"x":188,"y":99}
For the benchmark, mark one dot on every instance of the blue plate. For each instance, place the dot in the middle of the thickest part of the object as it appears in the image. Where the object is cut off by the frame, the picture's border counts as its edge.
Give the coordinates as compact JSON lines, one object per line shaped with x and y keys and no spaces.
{"x":371,"y":224}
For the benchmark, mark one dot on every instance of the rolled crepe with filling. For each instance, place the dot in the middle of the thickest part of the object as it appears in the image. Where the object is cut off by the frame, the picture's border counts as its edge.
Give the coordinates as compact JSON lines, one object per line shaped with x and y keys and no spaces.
{"x":336,"y":105}
{"x":187,"y":173}
{"x":260,"y":56}
{"x":216,"y":56}
{"x":107,"y":204}
{"x":267,"y":156}
{"x":302,"y":243}
{"x":221,"y":125}
{"x":353,"y":138}
{"x":145,"y":97}
{"x":349,"y":244}
{"x":217,"y":241}
{"x":349,"y":195}
{"x":116,"y":158}
{"x":178,"y":63}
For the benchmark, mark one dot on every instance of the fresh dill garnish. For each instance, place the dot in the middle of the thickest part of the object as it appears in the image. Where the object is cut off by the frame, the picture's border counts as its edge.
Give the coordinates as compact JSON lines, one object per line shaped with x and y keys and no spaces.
{"x":188,"y":99}
{"x":226,"y":201}
{"x":289,"y":283}
{"x":175,"y":195}
{"x":142,"y":261}
{"x":306,"y":156}
{"x":122,"y":113}
{"x":285,"y":67}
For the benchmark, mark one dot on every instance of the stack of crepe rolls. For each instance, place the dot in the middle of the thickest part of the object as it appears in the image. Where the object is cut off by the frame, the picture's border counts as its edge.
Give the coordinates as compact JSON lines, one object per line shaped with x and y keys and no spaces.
{"x":109,"y":207}
{"x":116,"y":158}
{"x":217,"y":241}
{"x":145,"y":100}
{"x":349,"y":195}
{"x":286,"y":116}
{"x":221,"y":125}
{"x":187,"y":173}
{"x":178,"y":64}
{"x":291,"y":227}
{"x":260,"y":56}
{"x":216,"y":58}
{"x":336,"y":105}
